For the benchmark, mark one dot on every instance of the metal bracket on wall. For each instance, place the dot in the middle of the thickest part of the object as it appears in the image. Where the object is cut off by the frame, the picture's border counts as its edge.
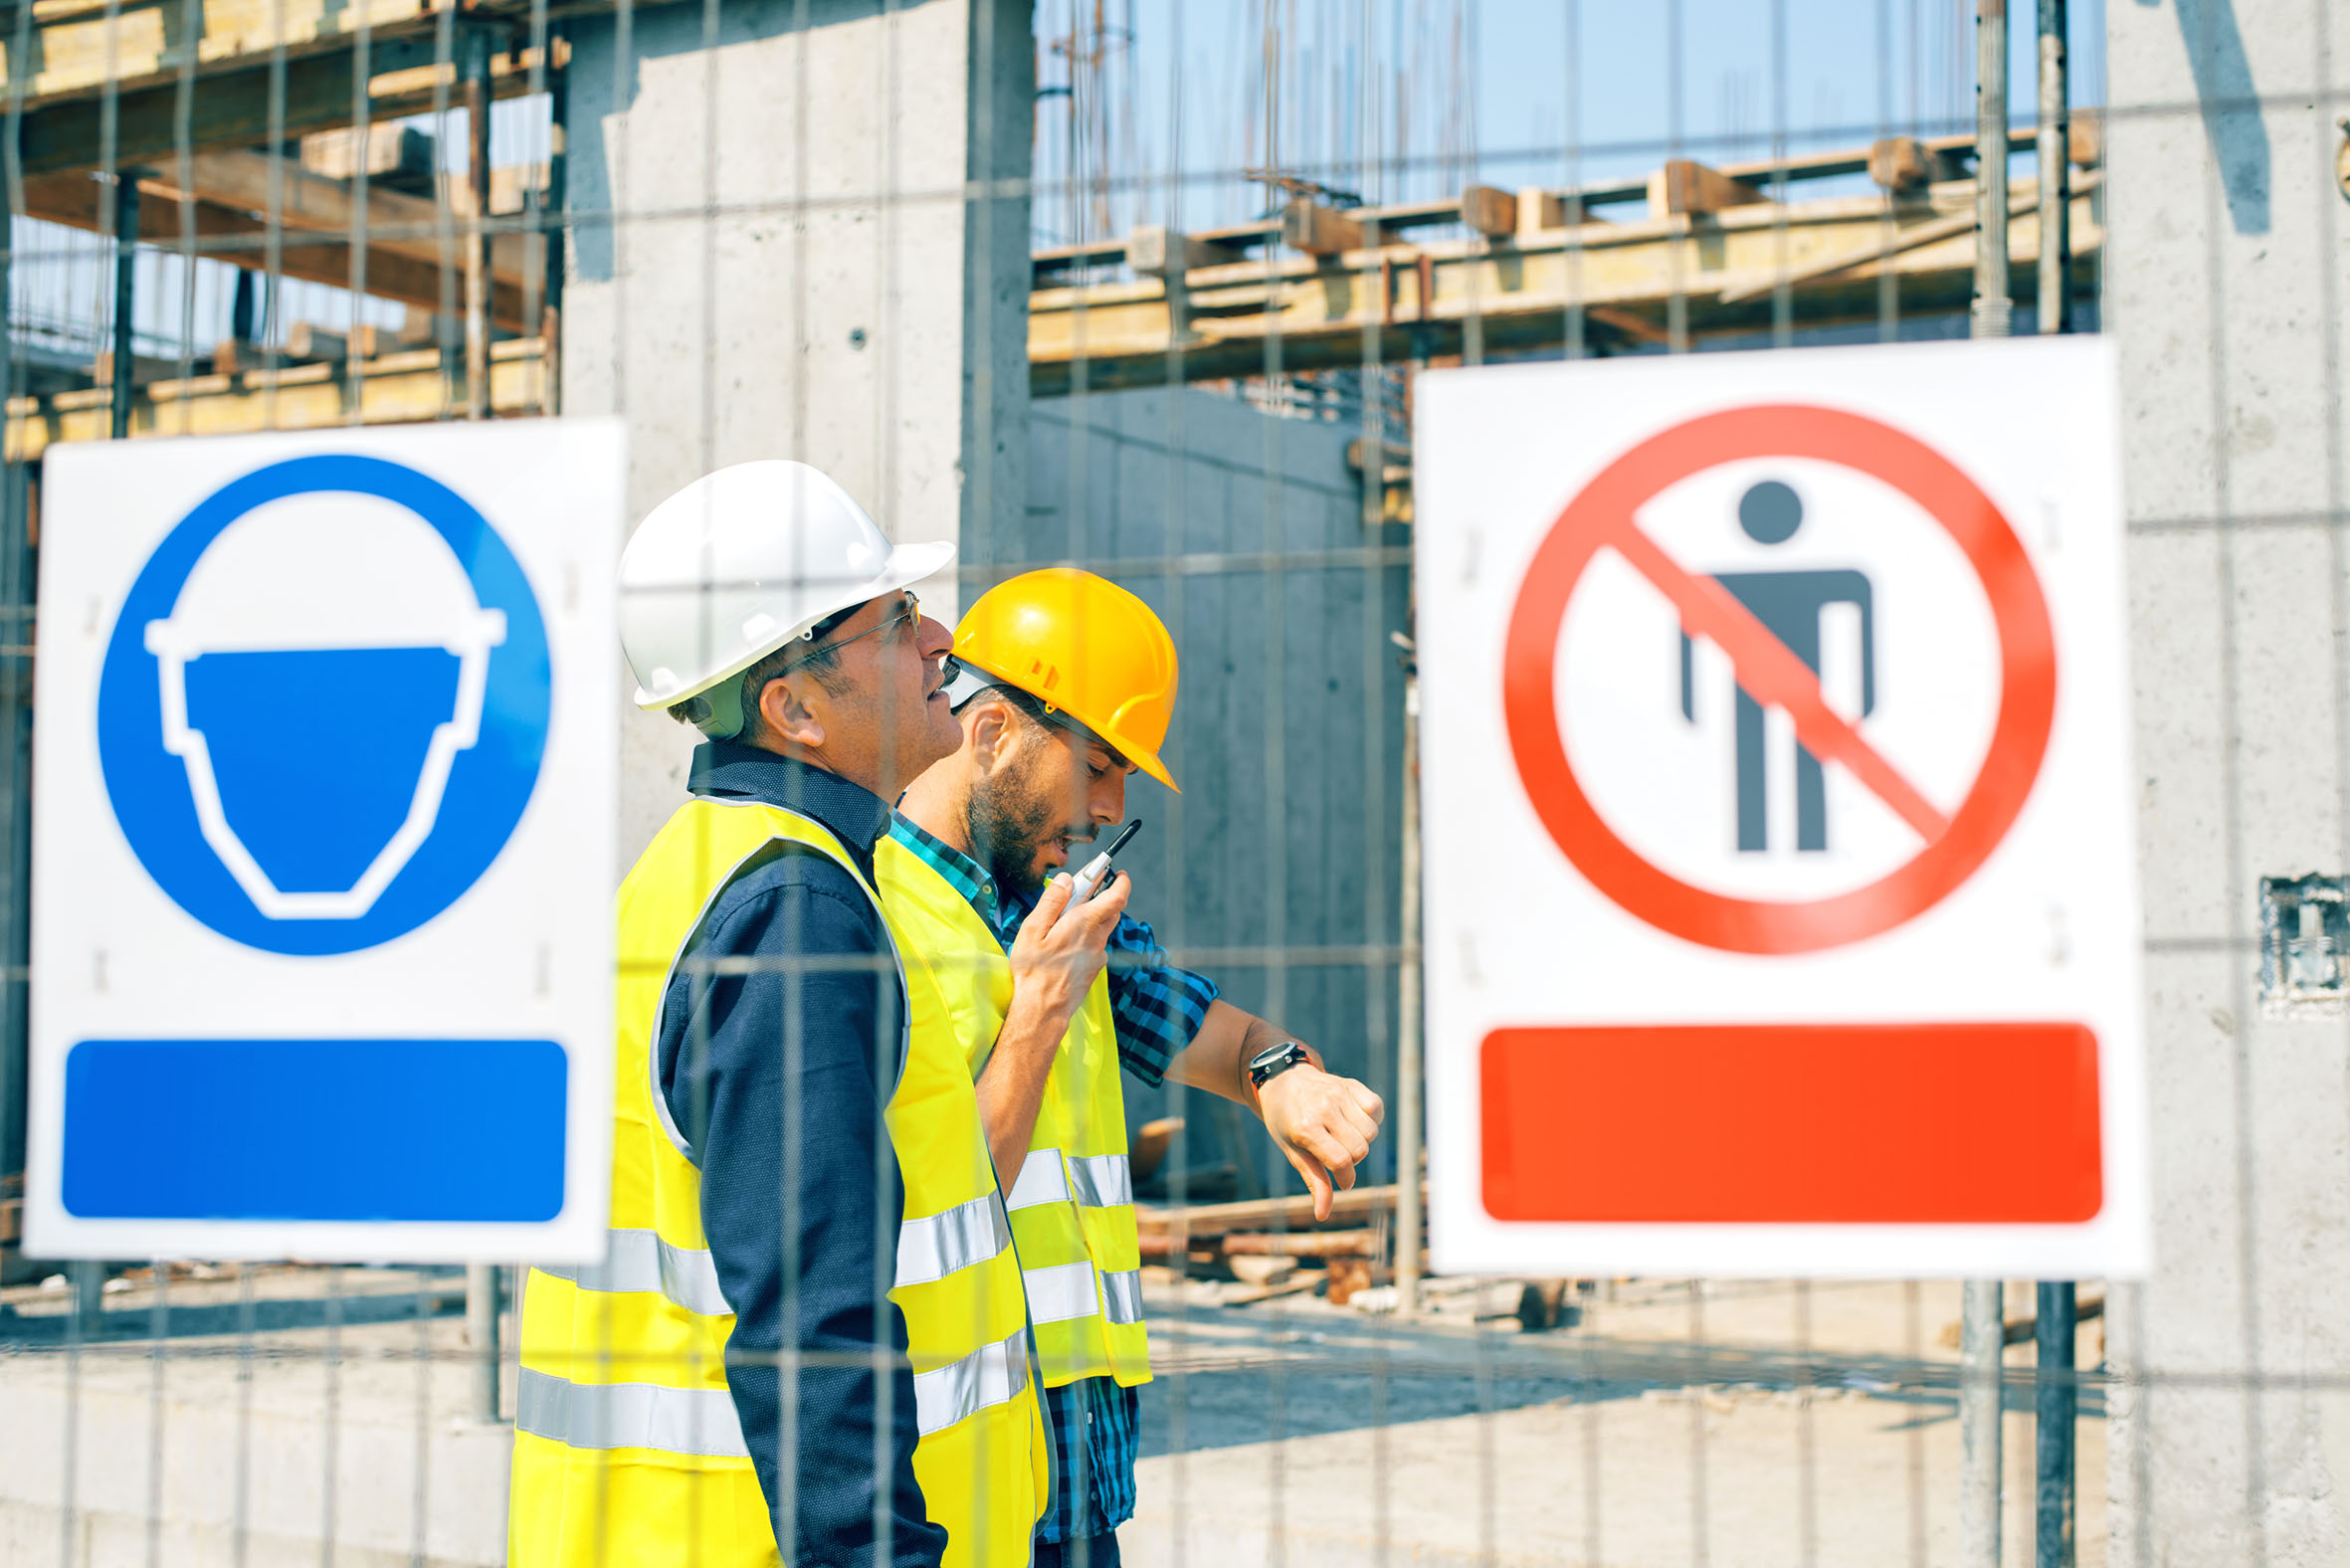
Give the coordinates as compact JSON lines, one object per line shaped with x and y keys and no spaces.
{"x":2305,"y":947}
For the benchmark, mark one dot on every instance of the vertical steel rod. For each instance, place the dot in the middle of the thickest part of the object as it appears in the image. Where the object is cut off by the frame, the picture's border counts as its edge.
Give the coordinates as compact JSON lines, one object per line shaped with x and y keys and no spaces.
{"x":476,"y":74}
{"x":1990,"y":168}
{"x":1982,"y":1336}
{"x":2058,"y":1402}
{"x":16,"y":735}
{"x":552,"y":223}
{"x":2055,"y":173}
{"x":1982,"y":1333}
{"x":1407,"y":1033}
{"x":126,"y":256}
{"x":481,"y":1332}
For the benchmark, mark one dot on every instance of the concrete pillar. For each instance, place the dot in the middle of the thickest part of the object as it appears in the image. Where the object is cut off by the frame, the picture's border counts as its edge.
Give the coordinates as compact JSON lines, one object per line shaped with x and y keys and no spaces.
{"x":801,"y":230}
{"x":2225,"y":286}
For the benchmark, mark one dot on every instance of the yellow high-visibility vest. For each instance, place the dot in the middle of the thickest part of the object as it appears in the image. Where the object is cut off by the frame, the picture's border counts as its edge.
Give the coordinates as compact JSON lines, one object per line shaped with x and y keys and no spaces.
{"x":627,"y":1447}
{"x":1072,"y":1203}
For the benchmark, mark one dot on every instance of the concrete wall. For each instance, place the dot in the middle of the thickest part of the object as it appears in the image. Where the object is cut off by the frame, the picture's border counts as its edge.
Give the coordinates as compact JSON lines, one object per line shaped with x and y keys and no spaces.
{"x":775,"y":258}
{"x":1279,"y":861}
{"x":2226,"y":287}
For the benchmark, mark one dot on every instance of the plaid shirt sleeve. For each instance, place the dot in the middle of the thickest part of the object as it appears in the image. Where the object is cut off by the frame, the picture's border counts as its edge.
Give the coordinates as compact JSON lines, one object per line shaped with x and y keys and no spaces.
{"x":1158,"y":1008}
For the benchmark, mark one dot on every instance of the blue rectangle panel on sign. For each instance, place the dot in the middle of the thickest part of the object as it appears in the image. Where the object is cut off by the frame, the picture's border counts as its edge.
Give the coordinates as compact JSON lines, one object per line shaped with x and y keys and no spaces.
{"x":386,"y":1130}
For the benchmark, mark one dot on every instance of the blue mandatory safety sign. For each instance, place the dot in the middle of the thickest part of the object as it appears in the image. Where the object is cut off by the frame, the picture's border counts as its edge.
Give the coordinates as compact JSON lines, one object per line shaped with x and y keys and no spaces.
{"x":325,"y":785}
{"x":323,"y":770}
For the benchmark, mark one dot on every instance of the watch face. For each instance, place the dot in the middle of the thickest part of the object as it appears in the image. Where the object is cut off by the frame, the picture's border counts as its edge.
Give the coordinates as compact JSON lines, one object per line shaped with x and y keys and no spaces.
{"x":1269,"y":1061}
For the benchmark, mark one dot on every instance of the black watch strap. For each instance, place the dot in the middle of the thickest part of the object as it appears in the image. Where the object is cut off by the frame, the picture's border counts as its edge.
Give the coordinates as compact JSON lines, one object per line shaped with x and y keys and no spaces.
{"x":1265,"y":1064}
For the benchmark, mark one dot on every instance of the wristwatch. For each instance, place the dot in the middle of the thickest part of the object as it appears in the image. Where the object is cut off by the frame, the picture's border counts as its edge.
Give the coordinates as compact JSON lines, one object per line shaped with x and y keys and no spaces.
{"x":1280,"y":1058}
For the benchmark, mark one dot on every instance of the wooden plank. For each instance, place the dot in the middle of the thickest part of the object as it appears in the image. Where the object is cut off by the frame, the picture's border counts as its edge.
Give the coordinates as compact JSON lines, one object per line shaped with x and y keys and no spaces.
{"x":1491,"y":213}
{"x":76,"y":200}
{"x":2023,"y":198}
{"x":1264,"y":1214}
{"x":77,"y":48}
{"x":1903,"y":163}
{"x":232,"y":105}
{"x":1329,"y":317}
{"x":1684,"y":185}
{"x":397,"y":225}
{"x":398,"y":157}
{"x":1156,"y":252}
{"x":1538,"y":209}
{"x":1317,"y":230}
{"x":396,"y":389}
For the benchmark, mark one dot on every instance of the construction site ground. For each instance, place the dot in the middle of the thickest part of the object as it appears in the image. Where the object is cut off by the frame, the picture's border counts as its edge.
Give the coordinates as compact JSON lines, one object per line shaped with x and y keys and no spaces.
{"x":1712,"y":1427}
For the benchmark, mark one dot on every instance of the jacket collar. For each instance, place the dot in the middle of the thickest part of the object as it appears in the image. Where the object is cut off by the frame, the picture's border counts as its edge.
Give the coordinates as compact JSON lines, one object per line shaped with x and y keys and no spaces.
{"x":850,"y":813}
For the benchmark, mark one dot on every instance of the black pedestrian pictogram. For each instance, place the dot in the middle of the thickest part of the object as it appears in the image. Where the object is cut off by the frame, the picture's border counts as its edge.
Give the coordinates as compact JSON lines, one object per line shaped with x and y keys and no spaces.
{"x":1789,"y":604}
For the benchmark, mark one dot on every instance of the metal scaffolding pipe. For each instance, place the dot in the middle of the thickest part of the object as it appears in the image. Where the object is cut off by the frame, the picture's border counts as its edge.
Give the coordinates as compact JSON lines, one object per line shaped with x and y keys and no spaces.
{"x":1990,"y":168}
{"x":1407,"y":1055}
{"x":2054,"y":157}
{"x":126,"y":256}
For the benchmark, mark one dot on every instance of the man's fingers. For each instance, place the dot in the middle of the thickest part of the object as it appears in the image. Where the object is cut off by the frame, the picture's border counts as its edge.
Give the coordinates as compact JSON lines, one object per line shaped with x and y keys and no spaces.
{"x":1370,"y":1103}
{"x":1317,"y":1182}
{"x":1337,"y":1147}
{"x":1103,"y":909}
{"x":1365,"y":1124}
{"x":1052,"y":901}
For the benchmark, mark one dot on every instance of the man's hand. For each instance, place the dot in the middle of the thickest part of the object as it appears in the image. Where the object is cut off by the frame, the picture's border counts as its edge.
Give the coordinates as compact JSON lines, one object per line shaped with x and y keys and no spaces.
{"x":1057,"y":955}
{"x":1054,"y":959}
{"x":1323,"y":1125}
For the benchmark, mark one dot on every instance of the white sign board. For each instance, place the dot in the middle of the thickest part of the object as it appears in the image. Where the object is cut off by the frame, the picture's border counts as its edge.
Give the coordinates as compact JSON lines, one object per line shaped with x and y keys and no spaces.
{"x":325,"y":764}
{"x":1780,"y":843}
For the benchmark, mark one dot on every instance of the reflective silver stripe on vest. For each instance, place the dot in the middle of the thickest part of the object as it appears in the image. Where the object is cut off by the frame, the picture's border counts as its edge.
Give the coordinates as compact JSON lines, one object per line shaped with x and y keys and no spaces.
{"x":1059,"y":1293}
{"x":1101,"y":1181}
{"x":1123,"y":1292}
{"x":967,"y":1234}
{"x":641,"y":1261}
{"x":991,"y":1375}
{"x":629,"y":1416}
{"x":1039,"y":1181}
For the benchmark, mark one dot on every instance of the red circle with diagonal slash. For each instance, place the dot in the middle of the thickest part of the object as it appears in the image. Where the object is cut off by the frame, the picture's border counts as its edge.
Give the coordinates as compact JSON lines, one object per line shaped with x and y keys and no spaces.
{"x":1606,"y":509}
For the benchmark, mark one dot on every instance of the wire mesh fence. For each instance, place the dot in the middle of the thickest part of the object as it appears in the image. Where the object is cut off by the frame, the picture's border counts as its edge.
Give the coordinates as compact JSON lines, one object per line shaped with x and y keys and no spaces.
{"x":1144,"y":289}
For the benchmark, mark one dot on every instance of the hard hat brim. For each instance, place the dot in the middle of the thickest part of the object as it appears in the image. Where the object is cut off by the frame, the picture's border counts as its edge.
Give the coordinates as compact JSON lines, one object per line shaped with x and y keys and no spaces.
{"x":907,"y":564}
{"x":1141,"y":756}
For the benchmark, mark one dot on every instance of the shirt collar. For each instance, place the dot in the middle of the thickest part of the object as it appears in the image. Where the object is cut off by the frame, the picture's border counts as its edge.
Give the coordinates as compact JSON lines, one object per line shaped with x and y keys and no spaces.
{"x":964,"y":874}
{"x":850,"y":813}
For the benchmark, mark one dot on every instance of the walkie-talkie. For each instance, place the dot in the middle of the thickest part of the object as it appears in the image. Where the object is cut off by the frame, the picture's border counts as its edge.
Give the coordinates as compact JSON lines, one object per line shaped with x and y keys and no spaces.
{"x":1097,"y":870}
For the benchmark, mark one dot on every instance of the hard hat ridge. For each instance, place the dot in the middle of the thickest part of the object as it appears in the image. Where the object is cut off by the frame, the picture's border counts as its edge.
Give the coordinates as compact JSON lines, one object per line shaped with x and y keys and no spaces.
{"x":738,"y":563}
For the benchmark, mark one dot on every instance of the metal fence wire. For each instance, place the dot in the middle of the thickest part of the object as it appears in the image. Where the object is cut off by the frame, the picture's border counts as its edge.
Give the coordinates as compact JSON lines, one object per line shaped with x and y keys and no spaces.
{"x":1144,"y":287}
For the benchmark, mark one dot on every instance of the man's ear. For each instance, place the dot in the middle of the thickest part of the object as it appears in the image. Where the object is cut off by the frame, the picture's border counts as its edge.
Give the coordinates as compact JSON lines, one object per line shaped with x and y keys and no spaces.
{"x":993,"y":733}
{"x":790,"y":706}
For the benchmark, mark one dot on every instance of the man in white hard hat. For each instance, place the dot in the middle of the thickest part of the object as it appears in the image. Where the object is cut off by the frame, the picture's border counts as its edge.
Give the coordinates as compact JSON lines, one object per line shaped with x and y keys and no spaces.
{"x":809,"y":1329}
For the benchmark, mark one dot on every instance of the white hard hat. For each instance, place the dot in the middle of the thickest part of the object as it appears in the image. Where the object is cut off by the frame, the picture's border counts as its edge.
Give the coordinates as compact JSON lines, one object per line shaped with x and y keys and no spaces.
{"x":741,"y":561}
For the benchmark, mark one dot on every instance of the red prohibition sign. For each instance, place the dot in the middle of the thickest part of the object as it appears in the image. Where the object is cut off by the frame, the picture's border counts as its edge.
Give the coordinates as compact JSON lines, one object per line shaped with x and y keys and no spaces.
{"x":1602,"y":517}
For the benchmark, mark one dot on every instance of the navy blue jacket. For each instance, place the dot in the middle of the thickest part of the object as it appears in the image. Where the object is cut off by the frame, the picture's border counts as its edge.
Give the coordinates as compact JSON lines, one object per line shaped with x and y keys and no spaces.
{"x":777,"y":1076}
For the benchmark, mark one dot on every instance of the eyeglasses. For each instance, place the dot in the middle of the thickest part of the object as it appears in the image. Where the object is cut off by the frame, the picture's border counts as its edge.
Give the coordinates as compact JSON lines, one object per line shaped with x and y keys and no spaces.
{"x":909,"y":614}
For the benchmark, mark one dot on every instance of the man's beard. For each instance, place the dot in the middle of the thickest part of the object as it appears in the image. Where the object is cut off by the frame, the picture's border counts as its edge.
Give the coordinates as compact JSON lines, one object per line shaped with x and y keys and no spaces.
{"x":1010,"y":823}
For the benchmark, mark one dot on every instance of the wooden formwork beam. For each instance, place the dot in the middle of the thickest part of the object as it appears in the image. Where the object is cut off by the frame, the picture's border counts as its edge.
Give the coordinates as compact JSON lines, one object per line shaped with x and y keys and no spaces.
{"x":232,"y":104}
{"x":403,"y":271}
{"x":393,"y":389}
{"x":1402,"y":301}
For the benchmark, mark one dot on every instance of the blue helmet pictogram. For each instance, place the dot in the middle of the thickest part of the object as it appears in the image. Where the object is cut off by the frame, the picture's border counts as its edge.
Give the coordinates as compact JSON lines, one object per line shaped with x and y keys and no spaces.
{"x":325,"y":704}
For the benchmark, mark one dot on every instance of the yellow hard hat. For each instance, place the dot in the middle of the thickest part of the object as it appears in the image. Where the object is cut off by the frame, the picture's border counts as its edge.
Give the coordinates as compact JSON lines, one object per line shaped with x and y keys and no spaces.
{"x":1084,"y":647}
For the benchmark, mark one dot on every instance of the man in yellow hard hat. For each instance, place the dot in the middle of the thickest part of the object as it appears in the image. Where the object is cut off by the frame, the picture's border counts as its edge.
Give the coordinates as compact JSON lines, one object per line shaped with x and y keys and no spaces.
{"x":1068,"y":686}
{"x":807,"y":1339}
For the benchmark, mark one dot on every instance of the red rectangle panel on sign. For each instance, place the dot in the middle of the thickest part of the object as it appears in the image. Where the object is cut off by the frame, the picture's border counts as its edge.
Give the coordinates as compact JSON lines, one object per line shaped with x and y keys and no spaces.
{"x":1844,"y":1124}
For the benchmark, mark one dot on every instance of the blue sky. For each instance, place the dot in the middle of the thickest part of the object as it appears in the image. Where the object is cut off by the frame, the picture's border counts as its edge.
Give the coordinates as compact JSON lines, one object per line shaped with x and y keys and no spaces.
{"x":1511,"y":92}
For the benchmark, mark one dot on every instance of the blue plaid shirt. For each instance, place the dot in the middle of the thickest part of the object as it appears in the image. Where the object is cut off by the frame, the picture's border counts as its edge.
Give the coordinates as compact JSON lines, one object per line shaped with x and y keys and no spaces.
{"x":1157,"y":1008}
